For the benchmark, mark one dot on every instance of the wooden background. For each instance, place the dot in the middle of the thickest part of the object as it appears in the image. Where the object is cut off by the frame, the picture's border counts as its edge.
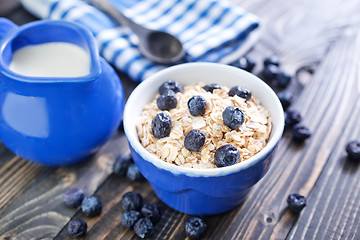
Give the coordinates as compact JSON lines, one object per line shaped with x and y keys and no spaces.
{"x":318,"y":42}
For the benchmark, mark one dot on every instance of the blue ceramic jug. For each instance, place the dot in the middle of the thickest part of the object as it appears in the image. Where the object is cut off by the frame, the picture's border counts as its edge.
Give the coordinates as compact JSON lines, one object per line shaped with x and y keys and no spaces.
{"x":56,"y":121}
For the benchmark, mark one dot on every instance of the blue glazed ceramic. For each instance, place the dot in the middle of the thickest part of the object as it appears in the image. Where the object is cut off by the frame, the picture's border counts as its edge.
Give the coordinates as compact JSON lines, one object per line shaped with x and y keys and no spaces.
{"x":52,"y":120}
{"x":202,"y":191}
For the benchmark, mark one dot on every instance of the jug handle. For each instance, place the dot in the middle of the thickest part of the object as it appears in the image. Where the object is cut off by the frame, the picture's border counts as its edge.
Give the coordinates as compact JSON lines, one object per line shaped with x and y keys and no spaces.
{"x":5,"y":26}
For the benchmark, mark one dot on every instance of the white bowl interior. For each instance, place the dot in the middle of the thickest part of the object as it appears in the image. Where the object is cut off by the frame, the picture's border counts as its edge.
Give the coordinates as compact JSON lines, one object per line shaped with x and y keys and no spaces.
{"x":207,"y":73}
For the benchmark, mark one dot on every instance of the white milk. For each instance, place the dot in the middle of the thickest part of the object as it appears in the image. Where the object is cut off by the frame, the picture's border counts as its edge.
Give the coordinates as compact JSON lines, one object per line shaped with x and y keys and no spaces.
{"x":54,"y":59}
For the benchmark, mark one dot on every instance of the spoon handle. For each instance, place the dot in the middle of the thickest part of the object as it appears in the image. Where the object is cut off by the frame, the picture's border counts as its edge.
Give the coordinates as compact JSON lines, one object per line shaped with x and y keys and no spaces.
{"x":118,"y":16}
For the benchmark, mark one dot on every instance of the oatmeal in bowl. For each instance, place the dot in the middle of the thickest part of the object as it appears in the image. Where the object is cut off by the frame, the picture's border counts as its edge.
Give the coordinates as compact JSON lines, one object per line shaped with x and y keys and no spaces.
{"x":202,"y":120}
{"x":204,"y":138}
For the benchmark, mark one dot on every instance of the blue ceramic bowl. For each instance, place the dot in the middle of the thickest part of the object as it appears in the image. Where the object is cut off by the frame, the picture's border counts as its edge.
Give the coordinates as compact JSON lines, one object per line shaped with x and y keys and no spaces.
{"x":202,"y":191}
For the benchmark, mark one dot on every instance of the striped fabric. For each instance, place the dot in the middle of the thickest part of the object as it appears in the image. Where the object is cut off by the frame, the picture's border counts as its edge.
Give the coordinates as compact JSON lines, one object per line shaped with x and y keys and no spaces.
{"x":211,"y":31}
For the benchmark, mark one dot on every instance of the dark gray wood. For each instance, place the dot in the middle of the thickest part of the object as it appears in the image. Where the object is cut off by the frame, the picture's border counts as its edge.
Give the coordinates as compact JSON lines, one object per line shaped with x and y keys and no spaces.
{"x":319,"y":43}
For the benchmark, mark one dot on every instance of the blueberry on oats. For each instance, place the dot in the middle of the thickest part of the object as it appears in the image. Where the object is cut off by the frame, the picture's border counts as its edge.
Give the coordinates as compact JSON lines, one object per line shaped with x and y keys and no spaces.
{"x":194,"y":140}
{"x":211,"y":87}
{"x":167,"y":101}
{"x":161,"y":125}
{"x":240,"y":91}
{"x":197,"y":105}
{"x":233,"y":117}
{"x":170,"y":85}
{"x":226,"y":155}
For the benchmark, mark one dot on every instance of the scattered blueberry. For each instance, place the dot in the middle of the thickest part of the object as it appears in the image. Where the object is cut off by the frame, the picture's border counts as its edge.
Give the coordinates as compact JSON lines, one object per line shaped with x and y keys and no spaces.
{"x":161,"y":125}
{"x":144,"y":228}
{"x":211,"y":87}
{"x":194,"y":140}
{"x":233,"y":117}
{"x":283,"y":79}
{"x":240,"y":91}
{"x":270,"y":72}
{"x":134,"y":174}
{"x":273,"y":60}
{"x":285,"y":98}
{"x":296,"y":202}
{"x":121,"y":164}
{"x":246,"y":64}
{"x":292,"y":117}
{"x":226,"y":155}
{"x":300,"y":132}
{"x":151,"y":211}
{"x":170,"y":85}
{"x":167,"y":101}
{"x":131,"y":201}
{"x":128,"y":219}
{"x":195,"y":227}
{"x":77,"y":228}
{"x":73,"y":197}
{"x":91,"y":206}
{"x":353,"y":150}
{"x":197,"y":105}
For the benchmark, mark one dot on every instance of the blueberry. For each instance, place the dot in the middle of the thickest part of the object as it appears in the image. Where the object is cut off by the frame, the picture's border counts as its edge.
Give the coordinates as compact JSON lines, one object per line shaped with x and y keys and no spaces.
{"x":195,"y":227}
{"x":170,"y":85}
{"x":285,"y":98}
{"x":91,"y":206}
{"x":121,"y":164}
{"x":300,"y":132}
{"x":283,"y":79}
{"x":131,"y":201}
{"x":353,"y":150}
{"x":144,"y":228}
{"x":197,"y":105}
{"x":226,"y":155}
{"x":128,"y":219}
{"x":233,"y":117}
{"x":73,"y":197}
{"x":296,"y":202}
{"x":211,"y":87}
{"x":167,"y":101}
{"x":246,"y":64}
{"x":270,"y":73}
{"x":292,"y":117}
{"x":194,"y":140}
{"x":151,"y":211}
{"x":161,"y":125}
{"x":272,"y":60}
{"x":241,"y":92}
{"x":77,"y":228}
{"x":134,"y":174}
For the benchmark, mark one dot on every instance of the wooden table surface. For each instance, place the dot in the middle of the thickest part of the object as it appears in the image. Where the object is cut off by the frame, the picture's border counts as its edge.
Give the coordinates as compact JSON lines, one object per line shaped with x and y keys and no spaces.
{"x":318,"y":42}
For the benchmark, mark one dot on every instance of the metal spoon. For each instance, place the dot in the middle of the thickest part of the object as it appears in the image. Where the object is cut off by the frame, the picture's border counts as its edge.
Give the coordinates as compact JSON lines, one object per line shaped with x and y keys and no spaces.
{"x":158,"y":46}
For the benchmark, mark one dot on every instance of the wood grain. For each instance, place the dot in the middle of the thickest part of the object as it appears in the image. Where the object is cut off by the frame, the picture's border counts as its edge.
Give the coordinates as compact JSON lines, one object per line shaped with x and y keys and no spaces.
{"x":319,"y":43}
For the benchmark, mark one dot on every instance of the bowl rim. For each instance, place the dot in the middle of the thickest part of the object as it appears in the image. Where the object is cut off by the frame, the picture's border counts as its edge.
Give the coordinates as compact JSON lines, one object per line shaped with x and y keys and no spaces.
{"x":149,"y":157}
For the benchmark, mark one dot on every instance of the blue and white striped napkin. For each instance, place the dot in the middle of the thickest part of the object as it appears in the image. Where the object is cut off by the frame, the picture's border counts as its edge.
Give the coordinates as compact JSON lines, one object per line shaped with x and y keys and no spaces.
{"x":211,"y":30}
